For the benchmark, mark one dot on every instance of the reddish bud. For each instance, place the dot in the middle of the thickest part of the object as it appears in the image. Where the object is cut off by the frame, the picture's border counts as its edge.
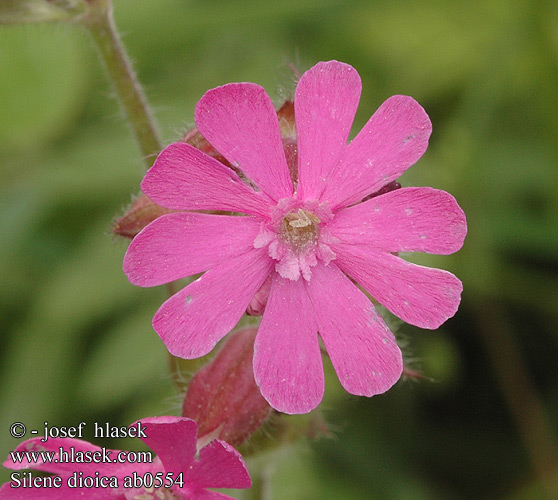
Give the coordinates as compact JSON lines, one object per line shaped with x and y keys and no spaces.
{"x":223,"y":397}
{"x":140,"y":213}
{"x":392,"y":186}
{"x":291,"y":154}
{"x":258,"y":303}
{"x":194,"y":138}
{"x":285,"y":115}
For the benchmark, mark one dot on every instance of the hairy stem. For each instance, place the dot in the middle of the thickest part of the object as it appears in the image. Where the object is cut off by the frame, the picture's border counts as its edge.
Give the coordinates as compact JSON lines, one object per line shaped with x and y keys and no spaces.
{"x":101,"y":25}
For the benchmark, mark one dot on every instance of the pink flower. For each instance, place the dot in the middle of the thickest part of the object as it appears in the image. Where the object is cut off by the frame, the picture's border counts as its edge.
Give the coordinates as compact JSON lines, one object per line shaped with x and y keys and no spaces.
{"x":311,"y":232}
{"x":177,"y":473}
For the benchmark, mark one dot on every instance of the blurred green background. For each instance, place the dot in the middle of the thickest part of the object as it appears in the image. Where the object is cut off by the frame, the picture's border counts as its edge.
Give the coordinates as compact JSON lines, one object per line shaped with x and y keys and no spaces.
{"x":77,"y":343}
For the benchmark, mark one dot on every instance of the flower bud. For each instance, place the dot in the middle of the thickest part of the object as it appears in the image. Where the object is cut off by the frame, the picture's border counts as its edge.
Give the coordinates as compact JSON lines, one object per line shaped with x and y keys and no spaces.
{"x":285,"y":114}
{"x":140,"y":213}
{"x":223,"y":397}
{"x":258,"y":303}
{"x":392,"y":186}
{"x":194,"y":138}
{"x":286,"y":117}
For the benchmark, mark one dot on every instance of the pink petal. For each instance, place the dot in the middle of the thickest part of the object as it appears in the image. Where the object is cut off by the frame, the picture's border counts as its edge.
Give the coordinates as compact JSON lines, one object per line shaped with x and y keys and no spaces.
{"x":240,"y":122}
{"x":408,"y":219}
{"x":193,"y":320}
{"x":394,"y":138}
{"x":326,"y":101}
{"x":219,"y":466}
{"x":53,"y":445}
{"x":173,"y":439}
{"x":287,"y":360}
{"x":181,"y":244}
{"x":421,"y":296}
{"x":184,"y":178}
{"x":361,"y":347}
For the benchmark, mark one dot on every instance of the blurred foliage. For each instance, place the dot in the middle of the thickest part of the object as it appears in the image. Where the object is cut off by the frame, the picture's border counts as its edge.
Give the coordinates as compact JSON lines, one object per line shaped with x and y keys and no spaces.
{"x":77,"y":343}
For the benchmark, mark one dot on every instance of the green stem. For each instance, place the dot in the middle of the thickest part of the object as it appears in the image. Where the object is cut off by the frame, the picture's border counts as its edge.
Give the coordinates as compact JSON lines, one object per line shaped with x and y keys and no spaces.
{"x":261,"y":488}
{"x":101,"y":25}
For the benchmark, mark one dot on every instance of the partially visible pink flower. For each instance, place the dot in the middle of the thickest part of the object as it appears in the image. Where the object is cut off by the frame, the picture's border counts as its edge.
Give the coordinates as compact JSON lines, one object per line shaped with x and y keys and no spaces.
{"x":314,"y":232}
{"x":173,"y":439}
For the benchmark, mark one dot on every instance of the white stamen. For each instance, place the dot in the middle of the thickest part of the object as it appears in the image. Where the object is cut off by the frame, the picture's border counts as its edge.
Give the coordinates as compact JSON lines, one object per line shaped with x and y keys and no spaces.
{"x":302,"y":221}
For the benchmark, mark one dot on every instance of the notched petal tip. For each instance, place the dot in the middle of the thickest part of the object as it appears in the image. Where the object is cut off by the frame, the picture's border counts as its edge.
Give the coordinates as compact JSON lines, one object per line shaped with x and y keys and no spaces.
{"x":422,"y":296}
{"x":411,"y":219}
{"x":326,"y":101}
{"x":332,"y":66}
{"x":459,"y":226}
{"x":417,"y":114}
{"x":220,"y":93}
{"x":379,"y":370}
{"x":240,"y":121}
{"x":287,"y":360}
{"x":393,"y":139}
{"x":193,"y":320}
{"x":361,"y":347}
{"x":293,"y":400}
{"x":221,"y":466}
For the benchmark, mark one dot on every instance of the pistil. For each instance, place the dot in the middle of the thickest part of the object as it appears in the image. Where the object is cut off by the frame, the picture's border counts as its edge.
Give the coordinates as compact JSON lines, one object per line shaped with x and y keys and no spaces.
{"x":300,"y":230}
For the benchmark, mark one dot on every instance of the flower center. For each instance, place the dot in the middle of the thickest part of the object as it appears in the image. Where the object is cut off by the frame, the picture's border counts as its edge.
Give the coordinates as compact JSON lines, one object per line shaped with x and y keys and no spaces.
{"x":300,"y":229}
{"x":297,"y":237}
